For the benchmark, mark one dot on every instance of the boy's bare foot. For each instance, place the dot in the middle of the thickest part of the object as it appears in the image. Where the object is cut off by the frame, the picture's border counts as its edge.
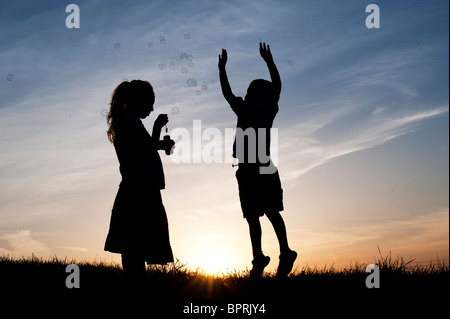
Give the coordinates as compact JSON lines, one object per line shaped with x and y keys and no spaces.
{"x":258,"y":266}
{"x":286,"y":263}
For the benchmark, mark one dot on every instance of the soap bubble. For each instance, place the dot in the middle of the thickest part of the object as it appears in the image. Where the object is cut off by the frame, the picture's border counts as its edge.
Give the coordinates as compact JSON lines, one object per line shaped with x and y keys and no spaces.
{"x":162,"y":40}
{"x":187,"y":36}
{"x":117,"y":46}
{"x":172,"y":63}
{"x":290,"y":63}
{"x":191,"y":82}
{"x":150,"y":45}
{"x":204,"y":87}
{"x":162,"y":66}
{"x":175,"y":110}
{"x":184,"y":70}
{"x":198,"y":92}
{"x":189,"y":58}
{"x":10,"y":77}
{"x":104,"y":112}
{"x":190,"y":64}
{"x":183,"y":56}
{"x":212,"y":82}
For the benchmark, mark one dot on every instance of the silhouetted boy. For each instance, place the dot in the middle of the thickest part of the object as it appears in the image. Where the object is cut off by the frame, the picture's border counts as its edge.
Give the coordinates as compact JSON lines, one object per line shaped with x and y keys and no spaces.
{"x":259,"y":183}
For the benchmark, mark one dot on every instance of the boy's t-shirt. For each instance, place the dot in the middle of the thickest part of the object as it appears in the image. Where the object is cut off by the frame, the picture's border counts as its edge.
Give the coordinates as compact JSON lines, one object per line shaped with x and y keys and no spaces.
{"x":254,"y":122}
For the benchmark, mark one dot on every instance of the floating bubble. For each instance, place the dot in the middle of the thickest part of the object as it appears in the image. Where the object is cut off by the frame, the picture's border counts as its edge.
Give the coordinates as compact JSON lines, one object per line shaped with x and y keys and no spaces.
{"x":191,"y":64}
{"x":184,"y":70}
{"x":124,"y":80}
{"x":162,"y":66}
{"x":198,"y":92}
{"x":204,"y":87}
{"x":162,"y":40}
{"x":150,"y":45}
{"x":117,"y":46}
{"x":212,"y":82}
{"x":187,"y":36}
{"x":172,"y":63}
{"x":290,"y":63}
{"x":189,"y":58}
{"x":191,"y":82}
{"x":175,"y":110}
{"x":10,"y":77}
{"x":104,"y":112}
{"x":183,"y":56}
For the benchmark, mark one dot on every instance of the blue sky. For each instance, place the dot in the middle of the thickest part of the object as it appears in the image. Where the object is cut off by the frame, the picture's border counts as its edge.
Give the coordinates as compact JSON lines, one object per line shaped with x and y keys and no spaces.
{"x":363,"y":124}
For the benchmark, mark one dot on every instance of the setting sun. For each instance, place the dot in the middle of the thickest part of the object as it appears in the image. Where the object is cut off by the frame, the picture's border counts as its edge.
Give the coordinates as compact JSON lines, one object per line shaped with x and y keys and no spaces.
{"x":215,"y":259}
{"x":212,"y":263}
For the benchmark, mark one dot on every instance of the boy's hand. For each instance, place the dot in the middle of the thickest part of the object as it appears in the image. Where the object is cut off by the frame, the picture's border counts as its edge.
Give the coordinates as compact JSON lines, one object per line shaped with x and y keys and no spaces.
{"x":265,"y":52}
{"x":223,"y":59}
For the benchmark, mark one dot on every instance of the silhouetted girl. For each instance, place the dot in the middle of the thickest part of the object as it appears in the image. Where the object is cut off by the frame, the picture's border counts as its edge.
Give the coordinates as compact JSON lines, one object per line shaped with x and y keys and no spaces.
{"x":138,"y":228}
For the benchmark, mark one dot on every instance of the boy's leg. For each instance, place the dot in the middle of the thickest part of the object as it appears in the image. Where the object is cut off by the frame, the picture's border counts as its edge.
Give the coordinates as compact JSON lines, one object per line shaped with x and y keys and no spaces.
{"x":255,"y":236}
{"x":259,"y":260}
{"x":280,"y":230}
{"x":287,"y":256}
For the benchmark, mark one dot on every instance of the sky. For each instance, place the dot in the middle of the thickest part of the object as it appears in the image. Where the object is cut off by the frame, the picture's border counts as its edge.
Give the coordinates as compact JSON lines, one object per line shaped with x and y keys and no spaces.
{"x":362,"y":132}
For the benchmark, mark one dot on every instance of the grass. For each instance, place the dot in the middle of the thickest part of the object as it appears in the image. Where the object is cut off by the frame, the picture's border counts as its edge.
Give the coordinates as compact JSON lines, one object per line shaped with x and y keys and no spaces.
{"x":176,"y":286}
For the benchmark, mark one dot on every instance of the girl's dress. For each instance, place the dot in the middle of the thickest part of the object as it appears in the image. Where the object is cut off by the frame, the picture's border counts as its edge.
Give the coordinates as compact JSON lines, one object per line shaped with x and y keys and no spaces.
{"x":138,"y":221}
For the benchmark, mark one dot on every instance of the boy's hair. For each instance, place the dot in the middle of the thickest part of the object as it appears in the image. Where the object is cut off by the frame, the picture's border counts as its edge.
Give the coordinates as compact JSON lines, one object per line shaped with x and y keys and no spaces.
{"x":259,"y":91}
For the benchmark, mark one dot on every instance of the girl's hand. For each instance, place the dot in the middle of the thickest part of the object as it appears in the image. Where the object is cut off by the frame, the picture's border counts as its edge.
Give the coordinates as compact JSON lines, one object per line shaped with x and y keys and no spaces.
{"x":162,"y":120}
{"x":167,"y":144}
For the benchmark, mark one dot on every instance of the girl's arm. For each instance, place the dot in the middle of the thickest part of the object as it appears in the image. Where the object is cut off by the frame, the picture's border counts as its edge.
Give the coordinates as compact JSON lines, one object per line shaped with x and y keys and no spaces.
{"x":162,"y":120}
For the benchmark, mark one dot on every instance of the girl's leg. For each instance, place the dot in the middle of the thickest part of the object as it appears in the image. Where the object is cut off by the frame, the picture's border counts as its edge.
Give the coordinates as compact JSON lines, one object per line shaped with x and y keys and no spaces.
{"x":133,"y":264}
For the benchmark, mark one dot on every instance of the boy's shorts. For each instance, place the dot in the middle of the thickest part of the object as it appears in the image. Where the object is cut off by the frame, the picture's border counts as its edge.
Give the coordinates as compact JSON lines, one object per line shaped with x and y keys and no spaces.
{"x":259,"y":193}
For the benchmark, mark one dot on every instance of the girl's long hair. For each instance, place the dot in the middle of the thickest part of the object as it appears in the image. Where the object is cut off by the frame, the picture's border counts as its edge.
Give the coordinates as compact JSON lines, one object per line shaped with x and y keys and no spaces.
{"x":128,"y":94}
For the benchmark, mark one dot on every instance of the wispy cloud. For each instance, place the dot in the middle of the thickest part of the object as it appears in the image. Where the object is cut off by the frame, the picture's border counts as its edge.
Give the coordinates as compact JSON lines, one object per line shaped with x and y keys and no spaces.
{"x":22,"y":244}
{"x":75,"y":249}
{"x":310,"y":152}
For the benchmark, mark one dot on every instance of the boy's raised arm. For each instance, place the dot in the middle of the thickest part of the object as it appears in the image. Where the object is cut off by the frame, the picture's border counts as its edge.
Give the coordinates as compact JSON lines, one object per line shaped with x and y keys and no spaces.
{"x":226,"y":88}
{"x":274,"y":75}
